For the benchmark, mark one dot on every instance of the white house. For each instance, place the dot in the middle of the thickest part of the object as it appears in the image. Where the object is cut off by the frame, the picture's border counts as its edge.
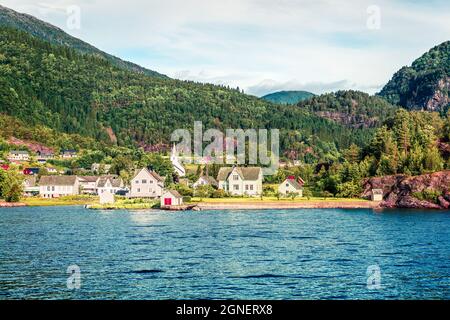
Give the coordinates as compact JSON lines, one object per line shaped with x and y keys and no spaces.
{"x":290,"y":186}
{"x":18,"y":155}
{"x":107,"y":198}
{"x":69,"y":154}
{"x":205,"y":181}
{"x":30,"y":188}
{"x":109,"y":184}
{"x":377,"y":194}
{"x":88,"y":184}
{"x":171,"y":198}
{"x":241,"y":180}
{"x":176,"y":163}
{"x":146,"y":184}
{"x":98,"y":168}
{"x":58,"y":186}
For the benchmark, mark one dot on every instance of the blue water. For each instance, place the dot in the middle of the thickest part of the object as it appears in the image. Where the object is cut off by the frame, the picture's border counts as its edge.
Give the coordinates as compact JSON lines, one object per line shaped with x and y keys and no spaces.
{"x":273,"y":254}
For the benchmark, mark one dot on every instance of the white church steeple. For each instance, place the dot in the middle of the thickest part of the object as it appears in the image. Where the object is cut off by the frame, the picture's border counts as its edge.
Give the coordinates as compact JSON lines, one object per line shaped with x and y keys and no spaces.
{"x":177,"y":166}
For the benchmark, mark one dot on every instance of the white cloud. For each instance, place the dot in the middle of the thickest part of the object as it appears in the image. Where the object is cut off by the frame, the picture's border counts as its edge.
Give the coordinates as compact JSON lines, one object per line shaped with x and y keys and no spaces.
{"x":320,"y":45}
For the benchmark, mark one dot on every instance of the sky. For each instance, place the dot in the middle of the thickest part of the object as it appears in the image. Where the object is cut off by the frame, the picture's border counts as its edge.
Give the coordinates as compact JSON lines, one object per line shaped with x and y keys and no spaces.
{"x":260,"y":46}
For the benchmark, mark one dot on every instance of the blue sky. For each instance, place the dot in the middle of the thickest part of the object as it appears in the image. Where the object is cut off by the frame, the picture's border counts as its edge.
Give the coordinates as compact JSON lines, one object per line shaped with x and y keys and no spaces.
{"x":259,"y":45}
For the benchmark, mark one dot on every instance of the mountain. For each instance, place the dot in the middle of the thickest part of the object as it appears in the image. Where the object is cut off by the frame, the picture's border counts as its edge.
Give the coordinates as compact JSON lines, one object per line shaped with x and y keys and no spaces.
{"x":54,"y":35}
{"x":352,"y":108}
{"x":288,"y":97}
{"x":425,"y":84}
{"x":57,"y":87}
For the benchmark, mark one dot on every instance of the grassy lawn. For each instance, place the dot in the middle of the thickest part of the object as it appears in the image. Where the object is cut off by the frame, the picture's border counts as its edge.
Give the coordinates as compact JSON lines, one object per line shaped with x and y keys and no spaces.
{"x":274,"y":199}
{"x":131,"y":204}
{"x":63,"y":201}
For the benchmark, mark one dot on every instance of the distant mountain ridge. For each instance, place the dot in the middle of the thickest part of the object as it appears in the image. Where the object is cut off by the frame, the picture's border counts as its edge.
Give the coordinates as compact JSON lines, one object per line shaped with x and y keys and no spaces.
{"x":425,"y":85}
{"x":54,"y":35}
{"x":288,"y":97}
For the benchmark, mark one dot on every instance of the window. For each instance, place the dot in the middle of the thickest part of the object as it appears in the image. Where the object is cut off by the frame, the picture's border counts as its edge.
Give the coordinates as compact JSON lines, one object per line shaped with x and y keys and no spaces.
{"x":251,"y":187}
{"x":151,"y":181}
{"x":246,"y":187}
{"x":138,"y":189}
{"x":48,"y":188}
{"x":144,"y":181}
{"x":287,"y":185}
{"x":236,"y":187}
{"x":235,"y":177}
{"x":53,"y":188}
{"x":137,"y":181}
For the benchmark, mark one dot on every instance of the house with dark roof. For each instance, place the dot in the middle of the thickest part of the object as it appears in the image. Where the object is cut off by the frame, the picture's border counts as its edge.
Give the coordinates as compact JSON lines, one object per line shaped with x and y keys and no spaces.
{"x":109,"y":184}
{"x":241,"y":180}
{"x":291,"y":185}
{"x":146,"y":184}
{"x":69,"y":154}
{"x":206,"y":181}
{"x":18,"y":155}
{"x":58,"y":186}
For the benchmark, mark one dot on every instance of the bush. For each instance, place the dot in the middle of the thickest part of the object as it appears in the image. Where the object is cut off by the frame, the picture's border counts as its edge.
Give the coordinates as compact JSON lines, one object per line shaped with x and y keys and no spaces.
{"x":428,"y":195}
{"x":219,"y":194}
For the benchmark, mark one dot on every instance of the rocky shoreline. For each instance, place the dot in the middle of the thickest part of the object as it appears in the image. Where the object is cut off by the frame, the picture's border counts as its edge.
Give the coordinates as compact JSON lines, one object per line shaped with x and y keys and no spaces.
{"x":428,"y":191}
{"x":12,"y":204}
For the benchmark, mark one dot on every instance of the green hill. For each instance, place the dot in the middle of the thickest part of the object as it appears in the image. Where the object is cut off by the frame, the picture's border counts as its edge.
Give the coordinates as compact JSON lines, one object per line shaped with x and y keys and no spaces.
{"x":352,"y":108}
{"x":288,"y":97}
{"x":425,"y":84}
{"x":54,"y":35}
{"x":57,"y":87}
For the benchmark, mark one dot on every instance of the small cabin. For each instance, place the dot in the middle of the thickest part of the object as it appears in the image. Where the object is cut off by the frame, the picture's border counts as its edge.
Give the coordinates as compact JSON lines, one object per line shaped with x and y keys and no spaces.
{"x":171,"y":198}
{"x":106,"y":198}
{"x":377,"y":194}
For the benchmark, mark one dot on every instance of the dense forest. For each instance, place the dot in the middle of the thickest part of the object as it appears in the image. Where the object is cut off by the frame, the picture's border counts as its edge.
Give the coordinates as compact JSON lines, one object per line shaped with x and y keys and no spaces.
{"x":425,"y":85}
{"x":288,"y":97}
{"x":47,"y":32}
{"x":57,"y":87}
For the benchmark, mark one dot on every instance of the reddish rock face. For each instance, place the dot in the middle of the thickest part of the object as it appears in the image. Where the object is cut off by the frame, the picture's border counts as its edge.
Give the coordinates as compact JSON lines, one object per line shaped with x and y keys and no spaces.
{"x":398,"y":190}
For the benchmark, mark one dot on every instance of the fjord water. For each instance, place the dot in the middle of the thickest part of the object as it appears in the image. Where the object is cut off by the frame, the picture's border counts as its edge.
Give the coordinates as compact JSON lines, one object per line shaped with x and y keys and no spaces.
{"x":270,"y":254}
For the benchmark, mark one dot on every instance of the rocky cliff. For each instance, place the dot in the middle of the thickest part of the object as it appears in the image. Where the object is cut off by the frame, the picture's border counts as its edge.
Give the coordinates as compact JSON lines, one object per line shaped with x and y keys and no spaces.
{"x":429,"y":191}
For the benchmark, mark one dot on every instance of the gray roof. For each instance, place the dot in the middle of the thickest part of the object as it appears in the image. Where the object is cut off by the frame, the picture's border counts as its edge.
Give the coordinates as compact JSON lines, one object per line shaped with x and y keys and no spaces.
{"x":152,"y":173}
{"x":89,"y":178}
{"x":377,"y":191}
{"x":58,"y":180}
{"x":175,"y":193}
{"x":115,"y":182}
{"x":18,"y":152}
{"x":247,"y":173}
{"x":209,"y":179}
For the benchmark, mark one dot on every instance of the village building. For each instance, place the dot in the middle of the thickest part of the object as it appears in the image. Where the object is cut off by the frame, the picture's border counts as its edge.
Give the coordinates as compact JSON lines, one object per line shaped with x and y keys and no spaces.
{"x":241,"y":180}
{"x":43,"y":156}
{"x":176,"y":163}
{"x":107,"y":198}
{"x":206,"y":181}
{"x":99,"y":168}
{"x":30,"y":188}
{"x":109,"y":184}
{"x":58,"y":186}
{"x":68,"y":154}
{"x":88,"y":184}
{"x":146,"y":184}
{"x":377,"y":195}
{"x":18,"y":155}
{"x":52,"y":170}
{"x":291,"y":186}
{"x":171,"y":198}
{"x":30,"y":171}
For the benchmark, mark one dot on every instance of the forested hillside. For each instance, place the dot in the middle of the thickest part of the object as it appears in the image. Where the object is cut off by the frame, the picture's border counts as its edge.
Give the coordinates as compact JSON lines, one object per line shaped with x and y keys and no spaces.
{"x":55,"y":86}
{"x":425,"y":85}
{"x":54,"y":35}
{"x":352,"y":108}
{"x":288,"y":97}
